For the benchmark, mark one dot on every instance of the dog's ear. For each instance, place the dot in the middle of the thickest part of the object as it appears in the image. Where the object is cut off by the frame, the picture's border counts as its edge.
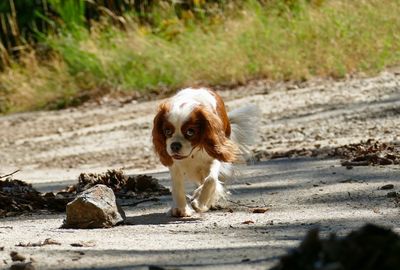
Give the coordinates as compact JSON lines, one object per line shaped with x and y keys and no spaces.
{"x":159,"y":139}
{"x":214,"y":139}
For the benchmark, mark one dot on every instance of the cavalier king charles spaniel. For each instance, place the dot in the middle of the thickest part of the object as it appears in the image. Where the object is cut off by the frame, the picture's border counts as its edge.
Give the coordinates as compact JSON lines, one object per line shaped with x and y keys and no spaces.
{"x":199,"y":141}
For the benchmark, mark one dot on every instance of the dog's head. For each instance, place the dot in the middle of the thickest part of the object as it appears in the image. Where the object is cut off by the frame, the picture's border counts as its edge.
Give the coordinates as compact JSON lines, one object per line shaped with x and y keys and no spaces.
{"x":183,"y":125}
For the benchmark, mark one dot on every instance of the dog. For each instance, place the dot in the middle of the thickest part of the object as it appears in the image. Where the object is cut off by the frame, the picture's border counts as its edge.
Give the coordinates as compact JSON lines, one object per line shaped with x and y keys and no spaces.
{"x":195,"y":137}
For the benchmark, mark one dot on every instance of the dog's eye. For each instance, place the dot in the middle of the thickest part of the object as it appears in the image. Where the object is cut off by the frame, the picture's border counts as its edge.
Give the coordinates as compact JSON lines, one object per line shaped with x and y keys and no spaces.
{"x":190,"y":132}
{"x":167,"y":132}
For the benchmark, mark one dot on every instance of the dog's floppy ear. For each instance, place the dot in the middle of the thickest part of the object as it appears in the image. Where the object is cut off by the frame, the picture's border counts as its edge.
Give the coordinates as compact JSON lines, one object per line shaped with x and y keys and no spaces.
{"x":214,"y":140}
{"x":159,"y":139}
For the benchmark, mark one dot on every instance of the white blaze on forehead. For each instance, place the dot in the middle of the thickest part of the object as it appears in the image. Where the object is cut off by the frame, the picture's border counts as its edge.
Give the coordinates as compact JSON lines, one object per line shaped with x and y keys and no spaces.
{"x":183,"y":103}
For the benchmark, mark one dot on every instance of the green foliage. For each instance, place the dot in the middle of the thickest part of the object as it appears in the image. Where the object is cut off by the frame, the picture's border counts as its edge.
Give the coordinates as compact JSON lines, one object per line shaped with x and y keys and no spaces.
{"x":71,"y":12}
{"x":202,"y":43}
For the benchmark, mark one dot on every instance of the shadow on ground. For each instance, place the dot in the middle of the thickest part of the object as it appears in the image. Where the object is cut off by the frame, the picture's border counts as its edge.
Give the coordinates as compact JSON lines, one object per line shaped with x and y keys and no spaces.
{"x":300,"y":194}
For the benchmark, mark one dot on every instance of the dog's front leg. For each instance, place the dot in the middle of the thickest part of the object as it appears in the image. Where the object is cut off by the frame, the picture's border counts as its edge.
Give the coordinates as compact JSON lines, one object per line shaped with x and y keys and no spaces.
{"x":179,"y":207}
{"x":208,"y":193}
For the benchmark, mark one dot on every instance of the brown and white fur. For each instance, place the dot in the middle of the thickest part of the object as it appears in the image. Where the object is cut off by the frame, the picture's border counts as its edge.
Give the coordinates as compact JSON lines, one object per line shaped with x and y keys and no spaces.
{"x":199,"y":141}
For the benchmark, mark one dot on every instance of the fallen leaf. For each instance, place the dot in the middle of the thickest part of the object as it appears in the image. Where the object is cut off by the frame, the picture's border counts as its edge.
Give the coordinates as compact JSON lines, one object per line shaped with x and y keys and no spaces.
{"x":248,"y":222}
{"x":347,"y":181}
{"x":84,"y":244}
{"x":260,"y":210}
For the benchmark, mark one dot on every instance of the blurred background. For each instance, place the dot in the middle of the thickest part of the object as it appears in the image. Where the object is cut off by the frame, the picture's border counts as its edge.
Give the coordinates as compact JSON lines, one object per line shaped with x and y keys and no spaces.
{"x":55,"y":53}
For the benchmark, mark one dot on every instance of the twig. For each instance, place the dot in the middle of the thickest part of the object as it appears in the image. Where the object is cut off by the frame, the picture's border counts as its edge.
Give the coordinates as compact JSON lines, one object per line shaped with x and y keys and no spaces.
{"x":140,"y":201}
{"x":356,"y":163}
{"x":6,"y":175}
{"x":240,"y":204}
{"x":263,"y":200}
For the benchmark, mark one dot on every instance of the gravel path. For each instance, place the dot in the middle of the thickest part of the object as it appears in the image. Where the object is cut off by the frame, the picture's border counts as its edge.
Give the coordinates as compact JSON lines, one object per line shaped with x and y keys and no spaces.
{"x":57,"y":145}
{"x":52,"y":148}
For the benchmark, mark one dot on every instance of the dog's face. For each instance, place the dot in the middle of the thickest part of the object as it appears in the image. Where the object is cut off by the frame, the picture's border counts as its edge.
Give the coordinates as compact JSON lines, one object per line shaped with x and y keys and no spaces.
{"x":183,"y":134}
{"x":183,"y":125}
{"x":178,"y":133}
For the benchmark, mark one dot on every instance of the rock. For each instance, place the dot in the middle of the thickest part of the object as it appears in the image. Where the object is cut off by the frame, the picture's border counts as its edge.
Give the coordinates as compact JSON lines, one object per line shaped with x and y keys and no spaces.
{"x":392,"y":194}
{"x":94,"y":208}
{"x":16,"y":257}
{"x":22,"y":266}
{"x":369,"y":248}
{"x":386,"y":187}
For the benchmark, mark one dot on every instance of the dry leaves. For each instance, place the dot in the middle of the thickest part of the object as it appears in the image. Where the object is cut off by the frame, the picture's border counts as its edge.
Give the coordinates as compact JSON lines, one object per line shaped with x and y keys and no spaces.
{"x":370,"y":152}
{"x":365,"y":153}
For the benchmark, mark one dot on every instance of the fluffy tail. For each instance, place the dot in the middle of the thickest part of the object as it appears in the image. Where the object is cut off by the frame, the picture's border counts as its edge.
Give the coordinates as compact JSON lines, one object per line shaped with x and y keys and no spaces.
{"x":244,"y":124}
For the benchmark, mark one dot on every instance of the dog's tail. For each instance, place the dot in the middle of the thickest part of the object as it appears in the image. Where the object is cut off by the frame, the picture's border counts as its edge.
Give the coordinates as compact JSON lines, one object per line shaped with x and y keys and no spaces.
{"x":244,"y":125}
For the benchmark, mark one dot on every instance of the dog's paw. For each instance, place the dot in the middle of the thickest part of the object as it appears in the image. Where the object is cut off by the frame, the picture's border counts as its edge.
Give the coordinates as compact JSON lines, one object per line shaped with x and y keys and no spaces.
{"x":199,"y":207}
{"x":180,"y":212}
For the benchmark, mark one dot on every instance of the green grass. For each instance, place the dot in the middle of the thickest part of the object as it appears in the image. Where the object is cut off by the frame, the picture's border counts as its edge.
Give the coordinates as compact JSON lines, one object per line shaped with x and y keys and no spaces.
{"x":325,"y":39}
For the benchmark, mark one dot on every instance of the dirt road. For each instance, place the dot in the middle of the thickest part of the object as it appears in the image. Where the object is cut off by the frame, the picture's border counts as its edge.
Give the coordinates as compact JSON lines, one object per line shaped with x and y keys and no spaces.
{"x":52,"y":148}
{"x":117,"y":134}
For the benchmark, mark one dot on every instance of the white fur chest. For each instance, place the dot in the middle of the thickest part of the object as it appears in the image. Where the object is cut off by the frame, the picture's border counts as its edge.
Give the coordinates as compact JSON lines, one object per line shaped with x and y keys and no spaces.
{"x":196,"y":167}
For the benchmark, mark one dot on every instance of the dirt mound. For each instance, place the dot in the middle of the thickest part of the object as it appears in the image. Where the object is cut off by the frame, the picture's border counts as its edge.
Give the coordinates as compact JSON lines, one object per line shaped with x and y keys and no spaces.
{"x":122,"y":185}
{"x":368,"y":248}
{"x":18,"y":197}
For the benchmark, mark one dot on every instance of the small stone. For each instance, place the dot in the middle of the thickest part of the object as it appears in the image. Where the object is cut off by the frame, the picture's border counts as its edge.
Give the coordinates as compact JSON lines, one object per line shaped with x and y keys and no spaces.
{"x":84,"y":244}
{"x":386,"y":187}
{"x":16,"y":257}
{"x":156,"y":267}
{"x":248,"y":222}
{"x":22,"y":266}
{"x":392,"y":194}
{"x":94,"y":208}
{"x":259,"y":210}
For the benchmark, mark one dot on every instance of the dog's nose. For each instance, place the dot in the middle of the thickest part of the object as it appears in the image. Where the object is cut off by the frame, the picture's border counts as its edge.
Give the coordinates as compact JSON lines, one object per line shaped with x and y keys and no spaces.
{"x":176,"y":146}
